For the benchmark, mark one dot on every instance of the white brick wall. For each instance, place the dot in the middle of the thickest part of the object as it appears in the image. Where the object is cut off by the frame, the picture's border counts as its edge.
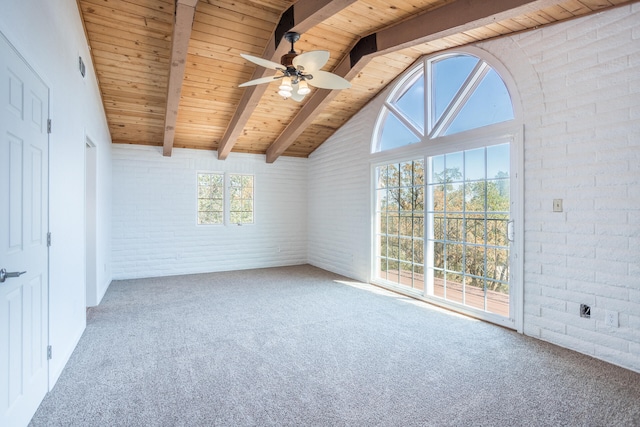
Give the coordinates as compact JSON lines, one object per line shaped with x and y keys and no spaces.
{"x":154,"y":214}
{"x":579,"y":84}
{"x":582,"y":145}
{"x":339,"y":202}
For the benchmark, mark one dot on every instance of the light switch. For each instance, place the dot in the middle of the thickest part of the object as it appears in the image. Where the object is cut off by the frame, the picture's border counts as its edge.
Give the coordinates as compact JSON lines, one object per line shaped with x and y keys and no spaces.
{"x":557,"y":205}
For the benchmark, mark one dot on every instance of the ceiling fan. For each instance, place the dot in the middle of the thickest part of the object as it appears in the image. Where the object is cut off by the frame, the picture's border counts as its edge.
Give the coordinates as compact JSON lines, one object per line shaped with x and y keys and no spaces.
{"x":298,"y":71}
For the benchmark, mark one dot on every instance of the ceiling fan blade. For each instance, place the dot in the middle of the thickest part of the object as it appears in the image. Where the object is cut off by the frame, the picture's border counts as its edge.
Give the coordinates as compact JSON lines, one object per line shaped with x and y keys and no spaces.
{"x":260,"y":81}
{"x":325,"y":80}
{"x":262,"y":62}
{"x":295,"y":95}
{"x":311,"y":61}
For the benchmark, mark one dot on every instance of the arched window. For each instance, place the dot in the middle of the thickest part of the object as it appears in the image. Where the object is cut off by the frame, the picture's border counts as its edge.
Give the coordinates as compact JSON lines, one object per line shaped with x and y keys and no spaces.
{"x":442,"y":96}
{"x":447,"y":194}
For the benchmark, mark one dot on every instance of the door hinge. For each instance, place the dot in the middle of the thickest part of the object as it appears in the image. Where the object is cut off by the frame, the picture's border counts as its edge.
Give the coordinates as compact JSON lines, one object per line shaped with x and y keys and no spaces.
{"x":48,"y":239}
{"x":49,"y":352}
{"x":48,"y":125}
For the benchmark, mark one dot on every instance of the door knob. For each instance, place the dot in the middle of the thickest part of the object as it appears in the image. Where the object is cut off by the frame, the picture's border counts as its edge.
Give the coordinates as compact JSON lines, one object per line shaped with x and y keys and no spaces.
{"x":4,"y":275}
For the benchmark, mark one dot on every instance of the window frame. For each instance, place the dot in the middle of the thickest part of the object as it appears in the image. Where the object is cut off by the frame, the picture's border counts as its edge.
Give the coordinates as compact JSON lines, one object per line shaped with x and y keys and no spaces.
{"x":493,"y":134}
{"x":226,"y":198}
{"x":253,"y":204}
{"x":407,"y":82}
{"x":435,"y":133}
{"x":438,"y":127}
{"x":218,"y":173}
{"x":399,"y":213}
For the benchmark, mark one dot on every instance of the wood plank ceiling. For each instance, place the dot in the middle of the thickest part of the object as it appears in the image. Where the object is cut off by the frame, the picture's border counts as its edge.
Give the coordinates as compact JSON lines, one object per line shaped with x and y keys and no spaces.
{"x":169,"y":70}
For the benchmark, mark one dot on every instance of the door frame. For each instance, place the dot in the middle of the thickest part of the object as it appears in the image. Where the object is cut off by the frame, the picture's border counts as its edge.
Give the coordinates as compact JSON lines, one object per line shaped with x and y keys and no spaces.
{"x":90,"y":220}
{"x":507,"y":132}
{"x":516,"y":247}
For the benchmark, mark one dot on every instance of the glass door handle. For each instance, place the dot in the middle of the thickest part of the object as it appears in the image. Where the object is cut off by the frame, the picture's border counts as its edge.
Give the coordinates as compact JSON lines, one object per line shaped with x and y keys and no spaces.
{"x":510,"y":231}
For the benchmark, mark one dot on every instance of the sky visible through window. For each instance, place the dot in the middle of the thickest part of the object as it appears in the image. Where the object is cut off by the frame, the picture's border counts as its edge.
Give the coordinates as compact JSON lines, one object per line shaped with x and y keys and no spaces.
{"x":411,"y":104}
{"x":395,"y":134}
{"x":471,"y":93}
{"x":448,"y":76}
{"x":473,"y":164}
{"x":490,"y":103}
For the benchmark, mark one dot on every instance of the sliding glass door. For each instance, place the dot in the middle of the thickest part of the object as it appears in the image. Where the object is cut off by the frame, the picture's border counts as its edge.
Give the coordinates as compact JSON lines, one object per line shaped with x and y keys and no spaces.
{"x":448,"y":184}
{"x":467,"y":237}
{"x":444,"y":229}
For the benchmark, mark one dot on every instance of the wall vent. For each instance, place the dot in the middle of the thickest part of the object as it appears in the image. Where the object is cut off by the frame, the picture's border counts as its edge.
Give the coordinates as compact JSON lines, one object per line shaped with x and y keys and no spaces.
{"x":81,"y":66}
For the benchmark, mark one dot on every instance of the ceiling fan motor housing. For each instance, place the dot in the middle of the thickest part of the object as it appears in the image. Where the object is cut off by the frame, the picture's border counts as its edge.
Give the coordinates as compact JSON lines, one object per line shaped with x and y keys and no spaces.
{"x":296,"y":74}
{"x":287,"y":59}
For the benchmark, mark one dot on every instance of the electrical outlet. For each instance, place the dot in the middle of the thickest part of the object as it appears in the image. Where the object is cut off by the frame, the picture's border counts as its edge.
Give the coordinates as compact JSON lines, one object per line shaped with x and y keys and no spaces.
{"x":557,"y":205}
{"x":585,"y":311}
{"x":611,"y":318}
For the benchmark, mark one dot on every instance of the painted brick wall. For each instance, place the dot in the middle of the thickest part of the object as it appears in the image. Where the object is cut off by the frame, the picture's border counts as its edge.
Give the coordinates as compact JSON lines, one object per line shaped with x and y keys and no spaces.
{"x":582,"y":145}
{"x":154,"y":214}
{"x":579,"y":84}
{"x":339,"y":202}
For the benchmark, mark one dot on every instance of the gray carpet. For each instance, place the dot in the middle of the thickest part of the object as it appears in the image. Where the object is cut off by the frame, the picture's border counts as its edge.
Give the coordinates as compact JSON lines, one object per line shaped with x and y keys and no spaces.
{"x":296,"y":347}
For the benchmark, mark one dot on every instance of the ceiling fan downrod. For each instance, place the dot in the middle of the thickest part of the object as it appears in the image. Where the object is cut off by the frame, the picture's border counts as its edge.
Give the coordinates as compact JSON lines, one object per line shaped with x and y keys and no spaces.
{"x":287,"y":59}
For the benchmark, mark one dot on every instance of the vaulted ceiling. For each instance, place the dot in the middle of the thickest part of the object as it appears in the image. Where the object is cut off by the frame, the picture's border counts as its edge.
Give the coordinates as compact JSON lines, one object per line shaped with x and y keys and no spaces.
{"x":169,"y":70}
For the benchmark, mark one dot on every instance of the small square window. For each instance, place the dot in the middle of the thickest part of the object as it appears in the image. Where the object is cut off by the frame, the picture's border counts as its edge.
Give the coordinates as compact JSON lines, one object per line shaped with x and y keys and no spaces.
{"x":210,"y":198}
{"x":217,"y":206}
{"x":241,"y":199}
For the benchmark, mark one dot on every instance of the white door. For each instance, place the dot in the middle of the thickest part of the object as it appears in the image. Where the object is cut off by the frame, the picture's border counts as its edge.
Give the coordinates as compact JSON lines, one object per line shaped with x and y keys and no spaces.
{"x":24,"y":105}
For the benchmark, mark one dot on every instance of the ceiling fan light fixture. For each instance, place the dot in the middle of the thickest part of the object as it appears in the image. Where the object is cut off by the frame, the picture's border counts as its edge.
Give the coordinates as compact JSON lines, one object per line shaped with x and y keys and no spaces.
{"x":303,"y":88}
{"x":285,"y":87}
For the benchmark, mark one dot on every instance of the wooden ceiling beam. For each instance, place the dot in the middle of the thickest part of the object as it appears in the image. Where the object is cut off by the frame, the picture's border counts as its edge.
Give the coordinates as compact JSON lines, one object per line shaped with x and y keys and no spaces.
{"x":185,"y":11}
{"x":300,"y":17}
{"x":450,"y":19}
